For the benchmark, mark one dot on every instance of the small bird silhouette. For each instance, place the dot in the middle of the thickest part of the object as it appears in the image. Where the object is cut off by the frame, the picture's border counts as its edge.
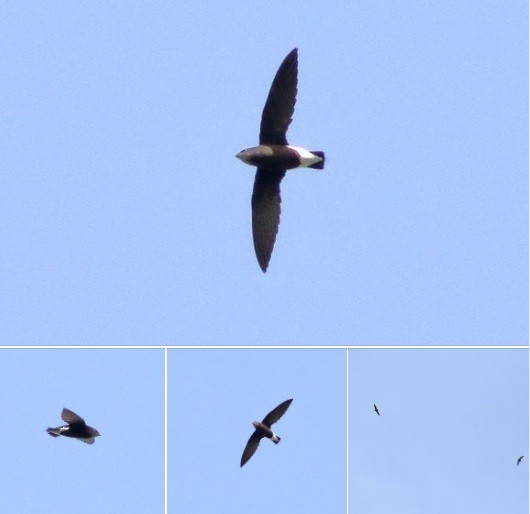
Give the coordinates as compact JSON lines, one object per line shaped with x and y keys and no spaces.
{"x":274,"y":156}
{"x":520,"y":459}
{"x":76,"y":428}
{"x":376,"y":410}
{"x":263,"y":429}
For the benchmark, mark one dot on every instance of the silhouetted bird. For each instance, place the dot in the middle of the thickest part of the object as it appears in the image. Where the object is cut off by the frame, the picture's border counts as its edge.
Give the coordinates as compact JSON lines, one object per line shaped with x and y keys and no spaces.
{"x":76,"y":428}
{"x":274,"y":156}
{"x":376,"y":410}
{"x":520,"y":459}
{"x":263,"y":429}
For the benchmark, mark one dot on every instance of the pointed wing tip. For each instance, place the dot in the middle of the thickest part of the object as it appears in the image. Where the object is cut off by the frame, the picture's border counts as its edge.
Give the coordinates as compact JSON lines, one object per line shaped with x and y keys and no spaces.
{"x":263,"y":265}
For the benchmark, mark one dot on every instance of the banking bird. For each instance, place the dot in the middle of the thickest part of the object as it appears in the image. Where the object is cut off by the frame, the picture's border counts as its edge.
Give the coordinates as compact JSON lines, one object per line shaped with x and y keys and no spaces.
{"x":76,"y":428}
{"x":274,"y":156}
{"x":520,"y":459}
{"x":263,"y":429}
{"x":376,"y":410}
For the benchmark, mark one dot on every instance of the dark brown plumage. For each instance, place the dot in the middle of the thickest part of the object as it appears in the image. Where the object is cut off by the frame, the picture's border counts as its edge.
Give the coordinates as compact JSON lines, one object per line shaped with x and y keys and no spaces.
{"x":263,"y":429}
{"x":376,"y":410}
{"x":76,"y":428}
{"x":273,"y":157}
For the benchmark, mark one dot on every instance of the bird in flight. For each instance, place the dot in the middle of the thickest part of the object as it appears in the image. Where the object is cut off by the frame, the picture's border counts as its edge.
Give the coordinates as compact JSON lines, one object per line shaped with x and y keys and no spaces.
{"x":274,"y":156}
{"x":520,"y":459}
{"x":376,"y":410}
{"x":263,"y":429}
{"x":76,"y":428}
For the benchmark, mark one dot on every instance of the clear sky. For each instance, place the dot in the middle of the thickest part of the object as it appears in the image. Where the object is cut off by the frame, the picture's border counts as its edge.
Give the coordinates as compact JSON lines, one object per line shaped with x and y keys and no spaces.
{"x":213,"y":398}
{"x":118,"y":392}
{"x":452,"y":425}
{"x":126,"y":217}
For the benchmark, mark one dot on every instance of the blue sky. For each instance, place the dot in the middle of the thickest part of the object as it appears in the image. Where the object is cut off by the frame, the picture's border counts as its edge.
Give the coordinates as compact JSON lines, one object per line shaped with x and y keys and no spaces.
{"x":126,"y":217}
{"x":452,"y":425}
{"x":120,"y":393}
{"x":213,"y":398}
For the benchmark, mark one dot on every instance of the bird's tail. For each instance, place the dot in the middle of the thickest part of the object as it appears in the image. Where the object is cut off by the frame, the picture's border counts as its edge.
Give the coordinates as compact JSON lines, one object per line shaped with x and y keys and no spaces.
{"x":276,"y":439}
{"x":52,"y":432}
{"x":320,"y":164}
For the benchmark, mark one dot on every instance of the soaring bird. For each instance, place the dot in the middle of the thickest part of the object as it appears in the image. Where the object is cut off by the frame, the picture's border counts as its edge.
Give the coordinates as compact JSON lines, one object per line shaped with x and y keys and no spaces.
{"x":263,"y":429}
{"x":76,"y":428}
{"x":376,"y":410}
{"x":274,"y":156}
{"x":520,"y":459}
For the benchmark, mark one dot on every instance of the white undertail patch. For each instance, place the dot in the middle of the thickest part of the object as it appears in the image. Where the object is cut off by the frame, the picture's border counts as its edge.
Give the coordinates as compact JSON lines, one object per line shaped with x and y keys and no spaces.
{"x":306,"y":157}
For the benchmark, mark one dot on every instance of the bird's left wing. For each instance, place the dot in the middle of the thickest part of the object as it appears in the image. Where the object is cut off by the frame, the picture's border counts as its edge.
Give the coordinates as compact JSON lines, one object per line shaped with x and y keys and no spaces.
{"x":71,"y":417}
{"x":275,"y":414}
{"x":279,"y":107}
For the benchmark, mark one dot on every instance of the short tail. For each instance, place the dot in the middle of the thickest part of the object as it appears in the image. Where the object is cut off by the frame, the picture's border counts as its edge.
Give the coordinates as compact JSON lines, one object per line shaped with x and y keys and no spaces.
{"x":320,"y":164}
{"x":51,"y":431}
{"x":277,"y":439}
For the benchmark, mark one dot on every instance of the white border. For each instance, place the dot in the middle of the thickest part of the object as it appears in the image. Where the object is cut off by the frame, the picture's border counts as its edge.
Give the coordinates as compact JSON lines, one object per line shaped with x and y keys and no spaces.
{"x":263,"y":347}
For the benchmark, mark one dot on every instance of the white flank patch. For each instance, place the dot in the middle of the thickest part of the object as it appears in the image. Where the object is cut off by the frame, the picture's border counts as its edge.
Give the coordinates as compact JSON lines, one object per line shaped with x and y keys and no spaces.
{"x":306,"y":157}
{"x":275,"y":437}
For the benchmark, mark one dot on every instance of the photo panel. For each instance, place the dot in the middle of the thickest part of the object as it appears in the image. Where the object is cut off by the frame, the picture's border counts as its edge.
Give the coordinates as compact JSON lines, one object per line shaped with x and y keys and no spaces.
{"x":127,"y":218}
{"x":118,"y":393}
{"x":215,"y":395}
{"x":449,"y":431}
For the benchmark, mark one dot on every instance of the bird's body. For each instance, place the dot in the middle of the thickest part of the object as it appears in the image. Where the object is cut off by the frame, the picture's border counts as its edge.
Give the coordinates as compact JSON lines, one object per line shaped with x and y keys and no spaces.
{"x":376,"y":410}
{"x":274,"y":156}
{"x":76,"y":428}
{"x":520,"y":459}
{"x":263,"y":429}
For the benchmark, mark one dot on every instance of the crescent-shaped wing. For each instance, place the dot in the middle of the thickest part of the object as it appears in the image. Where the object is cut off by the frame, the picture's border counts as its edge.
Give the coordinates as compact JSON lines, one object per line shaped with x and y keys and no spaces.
{"x":266,"y":210}
{"x":251,"y":447}
{"x":71,"y":417}
{"x":279,"y":107}
{"x":276,"y":413}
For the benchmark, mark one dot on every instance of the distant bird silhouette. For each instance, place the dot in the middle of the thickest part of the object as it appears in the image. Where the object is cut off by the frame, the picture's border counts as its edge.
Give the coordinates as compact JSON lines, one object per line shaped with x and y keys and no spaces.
{"x":274,"y":156}
{"x":263,"y":429}
{"x":376,"y":410}
{"x":76,"y":428}
{"x":520,"y":459}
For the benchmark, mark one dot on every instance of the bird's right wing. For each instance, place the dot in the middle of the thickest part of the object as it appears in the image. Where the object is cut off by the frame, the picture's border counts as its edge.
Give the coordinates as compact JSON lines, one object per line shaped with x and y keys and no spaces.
{"x":250,"y":448}
{"x":266,"y":210}
{"x":71,"y":417}
{"x":87,"y":440}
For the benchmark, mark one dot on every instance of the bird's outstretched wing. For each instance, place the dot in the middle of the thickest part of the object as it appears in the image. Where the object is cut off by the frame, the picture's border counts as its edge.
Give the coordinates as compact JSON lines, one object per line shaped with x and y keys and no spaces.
{"x":87,"y":440}
{"x":250,"y":448}
{"x":266,"y":210}
{"x":71,"y":417}
{"x":276,"y":413}
{"x":279,"y":107}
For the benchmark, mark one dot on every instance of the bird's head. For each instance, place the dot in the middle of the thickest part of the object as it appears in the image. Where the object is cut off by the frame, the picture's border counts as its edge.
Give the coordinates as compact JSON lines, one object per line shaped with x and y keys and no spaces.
{"x":245,"y":156}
